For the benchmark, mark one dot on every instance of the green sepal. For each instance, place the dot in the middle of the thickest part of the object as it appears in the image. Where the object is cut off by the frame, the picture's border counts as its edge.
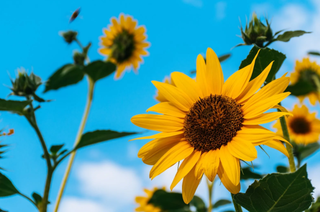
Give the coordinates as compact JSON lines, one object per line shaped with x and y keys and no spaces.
{"x":98,"y":136}
{"x":278,"y":192}
{"x":99,"y":69}
{"x":68,"y":74}
{"x":265,"y":57}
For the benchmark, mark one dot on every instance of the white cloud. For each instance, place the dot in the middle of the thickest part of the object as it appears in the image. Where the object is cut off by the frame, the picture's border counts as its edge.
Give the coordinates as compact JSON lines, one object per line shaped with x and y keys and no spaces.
{"x":195,"y":3}
{"x":221,"y":10}
{"x":71,"y":204}
{"x":313,"y":175}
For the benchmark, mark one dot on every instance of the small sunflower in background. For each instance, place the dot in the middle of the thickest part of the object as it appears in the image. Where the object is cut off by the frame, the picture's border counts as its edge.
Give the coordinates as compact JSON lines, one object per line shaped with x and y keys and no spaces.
{"x":210,"y":124}
{"x":124,"y":43}
{"x":158,"y":95}
{"x":303,"y":126}
{"x":143,"y":201}
{"x":308,"y":71}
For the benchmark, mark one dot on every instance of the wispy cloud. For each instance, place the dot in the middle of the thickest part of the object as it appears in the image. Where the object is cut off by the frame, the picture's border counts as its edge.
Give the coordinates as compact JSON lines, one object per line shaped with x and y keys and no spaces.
{"x":221,"y":10}
{"x":195,"y":3}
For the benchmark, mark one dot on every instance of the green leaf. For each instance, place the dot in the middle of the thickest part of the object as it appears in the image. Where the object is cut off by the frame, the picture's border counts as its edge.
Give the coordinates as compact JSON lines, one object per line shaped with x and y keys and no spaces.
{"x":199,"y":204}
{"x":99,"y":69}
{"x":98,"y":136}
{"x":248,"y":174}
{"x":167,"y":200}
{"x":315,"y":207}
{"x":278,"y":193}
{"x":300,"y":88}
{"x":265,"y":57}
{"x":221,"y":202}
{"x":314,"y":53}
{"x":66,"y":75}
{"x":303,"y":151}
{"x":6,"y":187}
{"x":54,"y":149}
{"x":282,"y":169}
{"x":286,"y":36}
{"x":2,"y":210}
{"x":224,"y":57}
{"x":37,"y":198}
{"x":13,"y":106}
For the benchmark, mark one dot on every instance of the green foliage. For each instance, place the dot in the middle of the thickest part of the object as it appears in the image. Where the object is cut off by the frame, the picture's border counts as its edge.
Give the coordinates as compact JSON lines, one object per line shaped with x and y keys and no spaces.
{"x":282,"y":169}
{"x":246,"y":174}
{"x":221,"y":202}
{"x":301,"y":151}
{"x":37,"y":198}
{"x":99,"y":69}
{"x":265,"y":57}
{"x":98,"y":136}
{"x":286,"y":36}
{"x":314,"y":53}
{"x":315,"y":207}
{"x":13,"y":106}
{"x":199,"y":204}
{"x":300,"y":88}
{"x":55,"y":151}
{"x":6,"y":187}
{"x":66,"y":75}
{"x":276,"y":192}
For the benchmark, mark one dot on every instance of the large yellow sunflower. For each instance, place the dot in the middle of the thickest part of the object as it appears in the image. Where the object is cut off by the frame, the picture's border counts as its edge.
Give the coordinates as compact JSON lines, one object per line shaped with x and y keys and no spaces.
{"x":306,"y":70}
{"x":303,"y":126}
{"x":210,"y":124}
{"x":144,"y":206}
{"x":159,"y":96}
{"x":124,"y":43}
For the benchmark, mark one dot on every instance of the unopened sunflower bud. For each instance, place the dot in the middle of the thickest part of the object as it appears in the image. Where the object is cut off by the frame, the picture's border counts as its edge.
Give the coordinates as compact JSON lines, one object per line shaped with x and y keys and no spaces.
{"x":69,"y":36}
{"x":79,"y":58}
{"x":24,"y":84}
{"x":257,"y":32}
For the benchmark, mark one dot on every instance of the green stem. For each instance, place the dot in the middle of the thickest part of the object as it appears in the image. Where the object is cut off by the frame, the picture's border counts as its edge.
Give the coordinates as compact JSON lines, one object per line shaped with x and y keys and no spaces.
{"x":236,"y":206}
{"x":210,"y":190}
{"x":289,"y":148}
{"x":28,"y":198}
{"x":79,"y":135}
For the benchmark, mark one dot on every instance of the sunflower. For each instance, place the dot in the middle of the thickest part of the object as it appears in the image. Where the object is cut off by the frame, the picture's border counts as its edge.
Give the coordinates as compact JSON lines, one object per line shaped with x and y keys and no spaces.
{"x":144,"y":206}
{"x":303,"y":126}
{"x":307,"y":71}
{"x":124,"y":44}
{"x":159,"y":96}
{"x":210,"y":124}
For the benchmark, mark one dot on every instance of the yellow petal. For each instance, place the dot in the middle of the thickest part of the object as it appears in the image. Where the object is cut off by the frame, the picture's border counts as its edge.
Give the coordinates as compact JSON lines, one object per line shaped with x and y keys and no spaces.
{"x":281,"y":108}
{"x":265,"y":118}
{"x":158,"y":122}
{"x":187,"y":85}
{"x":214,"y":73}
{"x":242,"y":149}
{"x":254,"y":84}
{"x":230,"y":164}
{"x":238,"y":81}
{"x":278,"y":146}
{"x":186,"y":167}
{"x":168,"y":109}
{"x":200,"y":166}
{"x":253,"y":110}
{"x":189,"y":186}
{"x":227,"y":182}
{"x":160,"y":135}
{"x":178,"y":152}
{"x":201,"y":75}
{"x":211,"y":164}
{"x":174,"y":95}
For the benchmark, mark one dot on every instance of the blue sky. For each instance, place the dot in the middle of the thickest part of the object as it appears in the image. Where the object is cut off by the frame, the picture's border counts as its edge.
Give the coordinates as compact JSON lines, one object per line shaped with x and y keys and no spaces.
{"x":107,"y":176}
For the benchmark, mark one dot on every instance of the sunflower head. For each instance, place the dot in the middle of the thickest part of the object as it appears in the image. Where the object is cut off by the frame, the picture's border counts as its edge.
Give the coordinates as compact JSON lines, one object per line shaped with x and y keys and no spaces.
{"x":211,"y":124}
{"x":309,"y":72}
{"x":124,"y":43}
{"x":24,"y":84}
{"x":303,"y":126}
{"x":143,"y":202}
{"x":256,"y":32}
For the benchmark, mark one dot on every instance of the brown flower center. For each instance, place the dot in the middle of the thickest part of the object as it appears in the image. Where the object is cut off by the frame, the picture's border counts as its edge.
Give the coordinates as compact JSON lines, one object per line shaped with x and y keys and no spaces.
{"x":300,"y":125}
{"x":212,"y":122}
{"x":123,"y":46}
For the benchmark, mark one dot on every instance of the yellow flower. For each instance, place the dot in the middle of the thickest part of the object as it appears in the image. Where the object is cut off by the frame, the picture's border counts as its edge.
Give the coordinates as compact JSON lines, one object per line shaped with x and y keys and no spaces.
{"x":124,"y":44}
{"x":210,"y":124}
{"x":159,"y":96}
{"x":303,"y":126}
{"x":306,"y":70}
{"x":144,"y":206}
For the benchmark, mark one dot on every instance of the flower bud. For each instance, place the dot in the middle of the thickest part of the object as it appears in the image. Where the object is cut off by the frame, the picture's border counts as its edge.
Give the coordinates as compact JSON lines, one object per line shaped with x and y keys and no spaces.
{"x":79,"y":58}
{"x":24,"y":84}
{"x":69,"y":36}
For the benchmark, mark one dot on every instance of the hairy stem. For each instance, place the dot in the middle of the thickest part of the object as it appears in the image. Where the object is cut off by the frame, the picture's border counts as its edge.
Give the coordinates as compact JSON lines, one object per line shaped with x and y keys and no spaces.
{"x":237,"y":207}
{"x":79,"y":135}
{"x":210,"y":191}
